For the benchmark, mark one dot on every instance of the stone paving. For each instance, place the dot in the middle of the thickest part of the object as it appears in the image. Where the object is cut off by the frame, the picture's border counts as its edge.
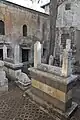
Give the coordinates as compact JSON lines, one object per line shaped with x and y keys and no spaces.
{"x":14,"y":106}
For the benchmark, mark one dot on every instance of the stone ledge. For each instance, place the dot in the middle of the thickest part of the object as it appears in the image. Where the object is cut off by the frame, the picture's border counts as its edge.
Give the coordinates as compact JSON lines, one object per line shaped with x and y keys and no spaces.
{"x":13,"y":66}
{"x":56,"y":113}
{"x":60,"y":79}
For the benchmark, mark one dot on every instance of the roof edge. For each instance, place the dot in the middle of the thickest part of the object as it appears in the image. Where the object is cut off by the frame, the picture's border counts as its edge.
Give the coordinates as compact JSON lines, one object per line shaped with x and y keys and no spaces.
{"x":9,"y":2}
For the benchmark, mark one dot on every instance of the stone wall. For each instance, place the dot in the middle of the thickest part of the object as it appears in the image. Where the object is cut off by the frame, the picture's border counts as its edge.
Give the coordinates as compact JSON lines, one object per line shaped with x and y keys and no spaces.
{"x":14,"y":17}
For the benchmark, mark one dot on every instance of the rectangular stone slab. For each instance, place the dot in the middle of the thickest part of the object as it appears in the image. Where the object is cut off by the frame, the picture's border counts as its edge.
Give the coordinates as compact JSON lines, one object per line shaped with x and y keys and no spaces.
{"x":53,"y":92}
{"x":58,"y":82}
{"x":61,"y":105}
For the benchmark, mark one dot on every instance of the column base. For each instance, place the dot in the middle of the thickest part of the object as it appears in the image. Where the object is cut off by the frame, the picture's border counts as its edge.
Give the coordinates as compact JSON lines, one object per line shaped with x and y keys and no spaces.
{"x":49,"y":108}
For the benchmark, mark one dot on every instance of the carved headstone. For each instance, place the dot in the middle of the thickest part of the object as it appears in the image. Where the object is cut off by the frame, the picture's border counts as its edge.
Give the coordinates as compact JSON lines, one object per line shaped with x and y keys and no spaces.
{"x":67,"y":63}
{"x":51,"y":60}
{"x":37,"y":53}
{"x":4,"y":52}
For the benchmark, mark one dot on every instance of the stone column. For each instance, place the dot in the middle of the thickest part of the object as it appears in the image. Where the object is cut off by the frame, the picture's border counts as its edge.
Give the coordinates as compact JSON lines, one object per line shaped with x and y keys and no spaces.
{"x":4,"y":52}
{"x":16,"y":53}
{"x":37,"y":53}
{"x":67,"y":63}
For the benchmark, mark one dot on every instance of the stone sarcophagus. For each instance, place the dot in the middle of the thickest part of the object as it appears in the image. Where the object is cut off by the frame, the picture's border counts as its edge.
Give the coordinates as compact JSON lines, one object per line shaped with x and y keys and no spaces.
{"x":52,"y":86}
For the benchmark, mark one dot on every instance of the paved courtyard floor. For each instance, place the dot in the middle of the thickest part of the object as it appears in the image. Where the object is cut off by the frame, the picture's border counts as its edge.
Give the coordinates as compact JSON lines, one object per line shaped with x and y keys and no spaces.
{"x":13,"y":106}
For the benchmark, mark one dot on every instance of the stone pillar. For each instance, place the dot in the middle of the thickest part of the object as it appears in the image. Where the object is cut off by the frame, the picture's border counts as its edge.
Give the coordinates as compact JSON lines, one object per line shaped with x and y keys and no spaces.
{"x":67,"y":63}
{"x":16,"y":53}
{"x":51,"y":60}
{"x":4,"y":52}
{"x":37,"y":53}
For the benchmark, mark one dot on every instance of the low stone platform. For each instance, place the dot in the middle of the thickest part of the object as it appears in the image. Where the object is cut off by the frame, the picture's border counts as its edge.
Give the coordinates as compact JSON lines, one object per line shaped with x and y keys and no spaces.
{"x":46,"y":107}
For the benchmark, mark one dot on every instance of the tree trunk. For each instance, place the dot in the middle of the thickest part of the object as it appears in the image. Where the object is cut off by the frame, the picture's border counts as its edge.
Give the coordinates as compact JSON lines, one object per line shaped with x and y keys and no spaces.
{"x":53,"y":17}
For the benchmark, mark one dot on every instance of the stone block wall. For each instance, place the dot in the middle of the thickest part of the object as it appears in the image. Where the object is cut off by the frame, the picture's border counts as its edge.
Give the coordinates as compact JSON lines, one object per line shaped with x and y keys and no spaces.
{"x":14,"y":17}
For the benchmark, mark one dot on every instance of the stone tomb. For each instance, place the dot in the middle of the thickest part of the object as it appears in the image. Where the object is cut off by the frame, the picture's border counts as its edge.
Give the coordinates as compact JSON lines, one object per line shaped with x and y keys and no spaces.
{"x":13,"y":70}
{"x":52,"y":86}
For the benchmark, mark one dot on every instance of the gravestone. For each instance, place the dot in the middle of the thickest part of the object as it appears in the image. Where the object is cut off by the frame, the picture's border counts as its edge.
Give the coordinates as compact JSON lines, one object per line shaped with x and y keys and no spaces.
{"x":67,"y":63}
{"x":51,"y":60}
{"x":37,"y":53}
{"x":67,"y":59}
{"x":4,"y":52}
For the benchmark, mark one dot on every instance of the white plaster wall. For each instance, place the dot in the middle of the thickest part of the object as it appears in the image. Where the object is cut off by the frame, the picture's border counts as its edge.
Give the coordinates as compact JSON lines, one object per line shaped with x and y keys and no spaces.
{"x":68,"y":18}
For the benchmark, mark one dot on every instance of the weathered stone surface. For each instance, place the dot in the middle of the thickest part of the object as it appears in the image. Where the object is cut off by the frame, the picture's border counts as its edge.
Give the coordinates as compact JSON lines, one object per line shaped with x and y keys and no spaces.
{"x":58,"y":114}
{"x":51,"y":60}
{"x":67,"y":63}
{"x":56,"y":87}
{"x":4,"y":52}
{"x":61,"y":83}
{"x":49,"y":68}
{"x":68,"y":44}
{"x":3,"y":79}
{"x":16,"y":54}
{"x":23,"y":81}
{"x":13,"y":72}
{"x":13,"y":66}
{"x":37,"y":54}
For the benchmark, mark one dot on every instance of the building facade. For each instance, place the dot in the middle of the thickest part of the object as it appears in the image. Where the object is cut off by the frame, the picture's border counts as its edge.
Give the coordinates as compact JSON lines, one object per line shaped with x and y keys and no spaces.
{"x":68,"y":26}
{"x":22,"y":26}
